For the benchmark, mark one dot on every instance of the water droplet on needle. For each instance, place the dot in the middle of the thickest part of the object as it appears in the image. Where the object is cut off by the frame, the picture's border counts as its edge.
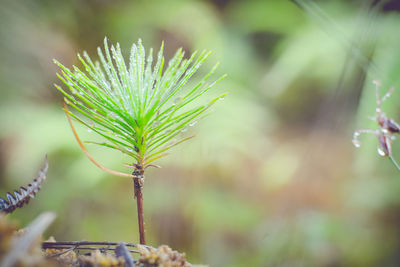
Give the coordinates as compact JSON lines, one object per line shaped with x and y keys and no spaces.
{"x":381,"y":152}
{"x":356,"y":143}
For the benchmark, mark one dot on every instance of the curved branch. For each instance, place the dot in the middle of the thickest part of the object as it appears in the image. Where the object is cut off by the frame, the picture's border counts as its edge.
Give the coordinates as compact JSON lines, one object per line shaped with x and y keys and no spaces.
{"x":86,"y":152}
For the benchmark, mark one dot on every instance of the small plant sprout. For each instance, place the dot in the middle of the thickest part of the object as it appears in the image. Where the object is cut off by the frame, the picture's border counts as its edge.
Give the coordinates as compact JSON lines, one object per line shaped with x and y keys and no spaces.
{"x":139,"y":108}
{"x":387,"y":127}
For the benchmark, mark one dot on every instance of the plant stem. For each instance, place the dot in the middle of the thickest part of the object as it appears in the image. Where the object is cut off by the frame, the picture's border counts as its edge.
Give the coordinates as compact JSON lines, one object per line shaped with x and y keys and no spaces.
{"x":138,"y":178}
{"x":394,"y":162}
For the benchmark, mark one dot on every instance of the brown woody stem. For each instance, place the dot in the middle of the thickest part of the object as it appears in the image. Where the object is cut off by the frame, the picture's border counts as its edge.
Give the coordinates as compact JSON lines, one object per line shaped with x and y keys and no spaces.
{"x":138,"y":178}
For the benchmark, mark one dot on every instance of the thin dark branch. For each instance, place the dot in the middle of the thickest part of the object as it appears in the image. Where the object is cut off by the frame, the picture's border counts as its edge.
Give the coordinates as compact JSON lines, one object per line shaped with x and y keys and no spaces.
{"x":68,"y":249}
{"x":86,"y":245}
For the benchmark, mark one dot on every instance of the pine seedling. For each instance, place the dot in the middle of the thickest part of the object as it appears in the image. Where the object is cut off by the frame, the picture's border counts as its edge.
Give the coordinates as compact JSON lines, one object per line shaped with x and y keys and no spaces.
{"x":139,"y":108}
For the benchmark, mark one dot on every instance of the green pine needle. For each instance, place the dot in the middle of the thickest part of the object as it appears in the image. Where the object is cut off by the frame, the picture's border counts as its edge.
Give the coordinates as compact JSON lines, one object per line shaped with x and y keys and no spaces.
{"x":138,"y":107}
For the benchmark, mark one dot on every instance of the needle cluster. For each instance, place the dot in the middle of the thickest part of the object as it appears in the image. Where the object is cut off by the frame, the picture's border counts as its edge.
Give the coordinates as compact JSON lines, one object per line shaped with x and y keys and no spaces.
{"x":140,"y":107}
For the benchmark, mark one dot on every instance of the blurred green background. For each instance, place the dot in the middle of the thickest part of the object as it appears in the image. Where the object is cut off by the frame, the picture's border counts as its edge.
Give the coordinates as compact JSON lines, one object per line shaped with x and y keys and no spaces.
{"x":272,"y":178}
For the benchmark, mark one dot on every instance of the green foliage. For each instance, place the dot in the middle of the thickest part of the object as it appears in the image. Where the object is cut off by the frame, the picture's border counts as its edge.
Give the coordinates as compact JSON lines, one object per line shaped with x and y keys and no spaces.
{"x":140,"y":109}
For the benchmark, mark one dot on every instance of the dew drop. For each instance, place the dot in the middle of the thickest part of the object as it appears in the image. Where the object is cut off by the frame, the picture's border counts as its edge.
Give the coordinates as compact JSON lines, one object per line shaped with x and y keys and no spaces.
{"x":356,"y":143}
{"x":378,"y":110}
{"x":221,"y":98}
{"x":381,"y":152}
{"x":356,"y":134}
{"x":184,"y":130}
{"x":81,"y":93}
{"x":89,"y":130}
{"x":193,"y":124}
{"x":130,"y":149}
